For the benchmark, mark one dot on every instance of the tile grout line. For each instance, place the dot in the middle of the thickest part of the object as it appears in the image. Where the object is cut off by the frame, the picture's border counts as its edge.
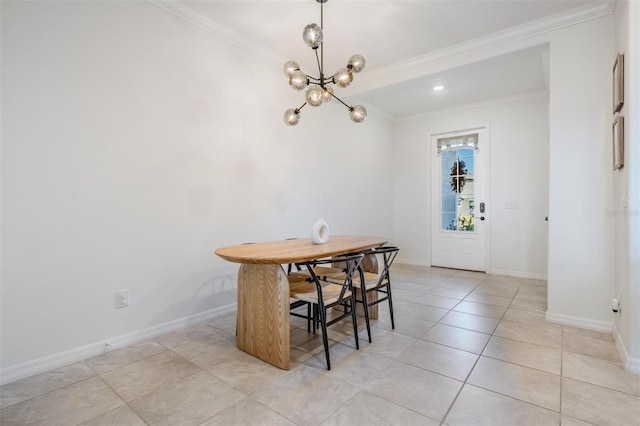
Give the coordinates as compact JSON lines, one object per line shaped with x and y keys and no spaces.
{"x":129,"y":403}
{"x":480,"y":355}
{"x":561,"y":365}
{"x":505,"y":395}
{"x":464,"y":383}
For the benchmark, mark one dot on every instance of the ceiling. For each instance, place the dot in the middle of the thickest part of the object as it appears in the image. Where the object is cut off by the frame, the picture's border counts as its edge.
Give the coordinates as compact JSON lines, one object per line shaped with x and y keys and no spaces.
{"x":396,"y":32}
{"x":515,"y":74}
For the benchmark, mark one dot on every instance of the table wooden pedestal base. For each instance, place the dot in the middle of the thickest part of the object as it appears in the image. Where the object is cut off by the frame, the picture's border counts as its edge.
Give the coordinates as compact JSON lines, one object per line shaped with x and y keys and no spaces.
{"x":263,"y":313}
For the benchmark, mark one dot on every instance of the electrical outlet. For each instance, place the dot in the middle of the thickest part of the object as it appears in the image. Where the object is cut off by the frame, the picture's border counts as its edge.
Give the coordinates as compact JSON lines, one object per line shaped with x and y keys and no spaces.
{"x":122,"y":299}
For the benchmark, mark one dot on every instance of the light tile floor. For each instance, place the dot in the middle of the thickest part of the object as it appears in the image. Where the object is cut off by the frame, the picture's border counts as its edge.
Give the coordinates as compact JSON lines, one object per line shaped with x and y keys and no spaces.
{"x":468,"y":349}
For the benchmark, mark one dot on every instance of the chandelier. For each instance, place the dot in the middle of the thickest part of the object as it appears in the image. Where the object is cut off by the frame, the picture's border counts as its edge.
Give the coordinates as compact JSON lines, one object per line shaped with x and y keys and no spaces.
{"x":320,"y":89}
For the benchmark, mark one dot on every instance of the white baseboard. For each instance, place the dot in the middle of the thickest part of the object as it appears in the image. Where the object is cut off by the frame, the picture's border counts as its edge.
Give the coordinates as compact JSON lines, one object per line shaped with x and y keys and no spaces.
{"x":518,"y":274}
{"x":580,"y":322}
{"x":632,"y":365}
{"x":412,"y":262}
{"x":30,"y":368}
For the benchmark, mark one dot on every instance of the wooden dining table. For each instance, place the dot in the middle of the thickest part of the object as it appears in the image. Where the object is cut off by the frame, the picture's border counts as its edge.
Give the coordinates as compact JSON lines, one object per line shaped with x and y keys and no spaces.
{"x":263,"y":289}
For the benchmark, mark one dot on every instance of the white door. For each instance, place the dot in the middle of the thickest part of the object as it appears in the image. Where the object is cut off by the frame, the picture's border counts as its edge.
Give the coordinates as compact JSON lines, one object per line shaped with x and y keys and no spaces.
{"x":459,"y":209}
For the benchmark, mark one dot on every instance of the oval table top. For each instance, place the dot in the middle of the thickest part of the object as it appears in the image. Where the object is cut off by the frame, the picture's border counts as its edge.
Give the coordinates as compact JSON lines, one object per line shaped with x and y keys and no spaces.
{"x":296,"y":250}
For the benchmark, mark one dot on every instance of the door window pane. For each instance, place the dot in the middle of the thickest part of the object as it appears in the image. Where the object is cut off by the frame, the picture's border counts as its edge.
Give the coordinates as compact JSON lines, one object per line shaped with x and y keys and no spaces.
{"x":458,"y":195}
{"x":449,"y":198}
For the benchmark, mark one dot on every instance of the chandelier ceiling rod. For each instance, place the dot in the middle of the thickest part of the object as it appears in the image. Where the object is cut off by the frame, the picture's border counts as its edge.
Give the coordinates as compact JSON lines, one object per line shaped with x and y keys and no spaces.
{"x":322,"y":2}
{"x":320,"y":88}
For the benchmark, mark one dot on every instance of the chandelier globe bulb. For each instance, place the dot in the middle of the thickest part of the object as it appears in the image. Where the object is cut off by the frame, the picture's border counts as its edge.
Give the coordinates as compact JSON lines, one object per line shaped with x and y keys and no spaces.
{"x":290,"y":67}
{"x":357,"y":113}
{"x":343,"y":77}
{"x":314,"y":95}
{"x":291,"y":117}
{"x":312,"y":35}
{"x":327,"y":93}
{"x":356,"y":63}
{"x":298,"y":80}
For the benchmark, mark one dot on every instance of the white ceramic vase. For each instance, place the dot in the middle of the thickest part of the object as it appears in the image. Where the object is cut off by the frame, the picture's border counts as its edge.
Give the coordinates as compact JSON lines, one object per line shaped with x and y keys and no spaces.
{"x":320,"y":232}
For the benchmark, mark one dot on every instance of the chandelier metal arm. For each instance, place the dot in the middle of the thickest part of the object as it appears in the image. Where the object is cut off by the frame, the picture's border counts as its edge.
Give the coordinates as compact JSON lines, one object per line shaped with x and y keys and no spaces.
{"x":300,"y":107}
{"x":340,"y":100}
{"x":322,"y":82}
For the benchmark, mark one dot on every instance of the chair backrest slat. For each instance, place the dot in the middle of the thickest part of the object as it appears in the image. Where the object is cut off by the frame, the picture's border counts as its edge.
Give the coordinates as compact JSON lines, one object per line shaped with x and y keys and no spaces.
{"x":351,"y":264}
{"x":389,"y":254}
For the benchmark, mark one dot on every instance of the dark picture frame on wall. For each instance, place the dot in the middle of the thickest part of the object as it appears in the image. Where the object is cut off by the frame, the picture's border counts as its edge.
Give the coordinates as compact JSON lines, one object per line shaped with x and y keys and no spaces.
{"x":618,"y":83}
{"x":618,"y":142}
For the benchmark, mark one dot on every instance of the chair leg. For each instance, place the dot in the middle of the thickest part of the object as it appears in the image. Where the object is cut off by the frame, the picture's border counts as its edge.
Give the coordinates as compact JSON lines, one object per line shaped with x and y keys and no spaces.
{"x":325,"y":338}
{"x":315,"y":318}
{"x":365,"y":306}
{"x":309,"y":319}
{"x":354,"y":319}
{"x":393,"y":327}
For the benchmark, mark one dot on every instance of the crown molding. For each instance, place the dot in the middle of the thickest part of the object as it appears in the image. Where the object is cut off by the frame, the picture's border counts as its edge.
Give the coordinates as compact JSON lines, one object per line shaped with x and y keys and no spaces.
{"x":373,"y":110}
{"x":444,"y":58}
{"x":223,"y":32}
{"x":539,"y":95}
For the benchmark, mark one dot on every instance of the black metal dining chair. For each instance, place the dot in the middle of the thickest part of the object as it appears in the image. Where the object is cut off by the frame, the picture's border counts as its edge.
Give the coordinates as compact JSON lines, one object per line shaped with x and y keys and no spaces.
{"x":321,"y":295}
{"x":370,"y":282}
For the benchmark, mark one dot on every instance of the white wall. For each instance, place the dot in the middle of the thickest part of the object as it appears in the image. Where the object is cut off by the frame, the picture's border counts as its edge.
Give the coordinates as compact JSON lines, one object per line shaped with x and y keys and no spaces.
{"x":626,"y":207}
{"x":632,"y":319}
{"x":598,"y":256}
{"x":580,"y":233}
{"x":518,"y":167}
{"x":133,"y":145}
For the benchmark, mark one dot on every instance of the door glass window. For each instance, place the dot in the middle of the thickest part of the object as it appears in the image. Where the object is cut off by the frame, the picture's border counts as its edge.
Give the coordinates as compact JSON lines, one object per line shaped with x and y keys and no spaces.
{"x":457,"y":180}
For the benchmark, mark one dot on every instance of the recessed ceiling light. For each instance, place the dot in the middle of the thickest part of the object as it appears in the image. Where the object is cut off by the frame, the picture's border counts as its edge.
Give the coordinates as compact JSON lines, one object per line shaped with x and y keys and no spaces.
{"x":438,"y":88}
